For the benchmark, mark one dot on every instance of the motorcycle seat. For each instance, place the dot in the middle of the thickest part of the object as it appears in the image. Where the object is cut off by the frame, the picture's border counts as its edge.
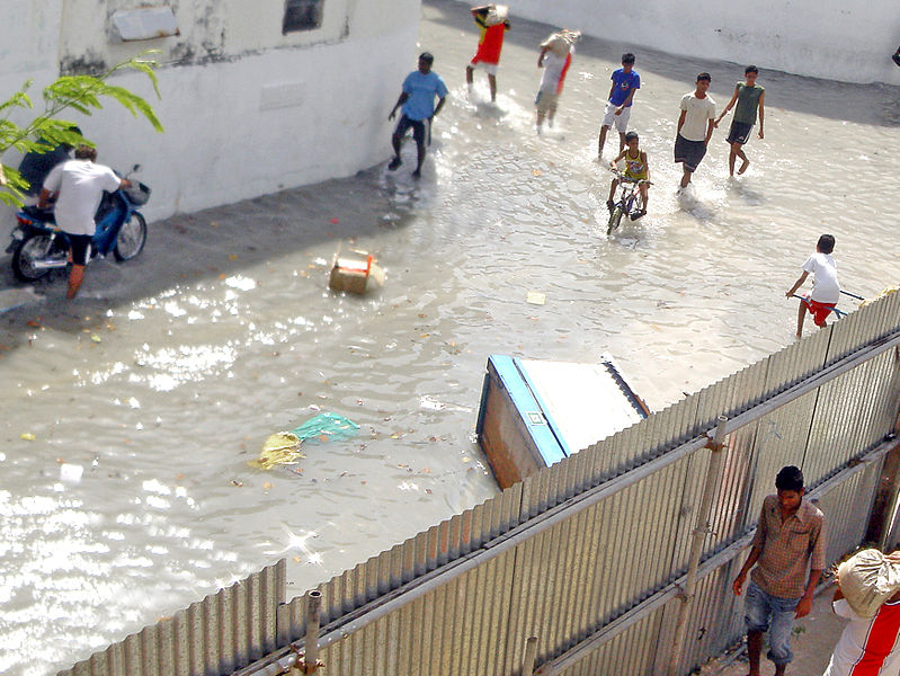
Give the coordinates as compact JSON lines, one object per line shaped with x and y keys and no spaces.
{"x":44,"y":215}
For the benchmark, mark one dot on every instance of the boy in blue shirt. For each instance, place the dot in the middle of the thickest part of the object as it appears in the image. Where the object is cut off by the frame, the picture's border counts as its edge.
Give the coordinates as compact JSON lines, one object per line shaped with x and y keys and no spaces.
{"x":417,"y":98}
{"x":626,"y":82}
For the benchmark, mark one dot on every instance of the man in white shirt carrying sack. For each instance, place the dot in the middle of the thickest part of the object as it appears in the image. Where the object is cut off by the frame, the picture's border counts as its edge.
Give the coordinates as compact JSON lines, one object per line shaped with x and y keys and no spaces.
{"x":868,"y":595}
{"x":555,"y":59}
{"x":78,"y":186}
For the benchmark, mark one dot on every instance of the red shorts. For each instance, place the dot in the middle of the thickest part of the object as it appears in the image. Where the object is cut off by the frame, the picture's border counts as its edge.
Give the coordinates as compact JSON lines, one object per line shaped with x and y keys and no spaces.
{"x":819,"y":311}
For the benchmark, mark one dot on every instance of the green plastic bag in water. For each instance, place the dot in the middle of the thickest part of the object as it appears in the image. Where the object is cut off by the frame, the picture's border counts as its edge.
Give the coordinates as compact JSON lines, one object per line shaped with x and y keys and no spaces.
{"x":326,"y":427}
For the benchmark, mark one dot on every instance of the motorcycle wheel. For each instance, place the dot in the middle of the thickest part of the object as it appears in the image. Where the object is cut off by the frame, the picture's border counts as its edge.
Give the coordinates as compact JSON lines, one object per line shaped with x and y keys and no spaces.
{"x":131,"y":238}
{"x":614,"y":219}
{"x":30,"y":249}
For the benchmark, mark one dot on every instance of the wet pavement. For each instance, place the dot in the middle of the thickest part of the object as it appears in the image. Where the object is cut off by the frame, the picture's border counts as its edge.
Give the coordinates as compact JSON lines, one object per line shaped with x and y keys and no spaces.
{"x":129,"y":415}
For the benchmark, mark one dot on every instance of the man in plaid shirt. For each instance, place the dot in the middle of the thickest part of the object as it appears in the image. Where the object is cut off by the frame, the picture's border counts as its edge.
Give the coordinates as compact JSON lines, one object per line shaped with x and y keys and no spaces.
{"x":789,"y":541}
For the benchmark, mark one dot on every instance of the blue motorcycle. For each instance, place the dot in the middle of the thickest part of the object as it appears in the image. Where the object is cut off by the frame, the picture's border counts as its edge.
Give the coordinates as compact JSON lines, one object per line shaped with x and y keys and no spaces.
{"x":38,"y":245}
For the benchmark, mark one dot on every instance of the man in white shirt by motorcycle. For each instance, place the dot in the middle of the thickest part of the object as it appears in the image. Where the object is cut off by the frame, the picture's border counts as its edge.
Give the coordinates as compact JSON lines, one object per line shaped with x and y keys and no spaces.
{"x":78,"y":186}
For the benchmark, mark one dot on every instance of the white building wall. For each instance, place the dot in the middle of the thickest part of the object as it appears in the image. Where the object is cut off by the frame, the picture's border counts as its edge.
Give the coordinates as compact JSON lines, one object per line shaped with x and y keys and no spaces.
{"x":833,"y":39}
{"x":247,"y":110}
{"x":29,"y":40}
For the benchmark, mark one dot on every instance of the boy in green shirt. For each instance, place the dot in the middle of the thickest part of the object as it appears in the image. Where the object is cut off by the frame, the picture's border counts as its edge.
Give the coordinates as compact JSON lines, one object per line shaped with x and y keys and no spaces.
{"x":750,"y":98}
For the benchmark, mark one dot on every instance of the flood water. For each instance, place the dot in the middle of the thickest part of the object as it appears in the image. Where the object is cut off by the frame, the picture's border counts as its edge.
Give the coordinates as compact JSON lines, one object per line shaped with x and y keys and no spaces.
{"x":129,"y":495}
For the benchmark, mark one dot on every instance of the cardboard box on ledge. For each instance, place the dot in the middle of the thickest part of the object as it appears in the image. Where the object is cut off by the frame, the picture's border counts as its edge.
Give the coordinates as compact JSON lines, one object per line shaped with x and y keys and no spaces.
{"x":354,"y":271}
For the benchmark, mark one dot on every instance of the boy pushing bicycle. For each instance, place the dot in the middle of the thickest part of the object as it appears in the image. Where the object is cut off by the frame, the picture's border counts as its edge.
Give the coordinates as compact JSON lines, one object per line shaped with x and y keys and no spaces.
{"x":826,"y":290}
{"x":636,"y":168}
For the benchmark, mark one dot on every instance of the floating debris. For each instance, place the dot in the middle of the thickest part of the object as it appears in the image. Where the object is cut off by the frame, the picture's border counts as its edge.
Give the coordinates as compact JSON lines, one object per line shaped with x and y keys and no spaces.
{"x":326,"y":427}
{"x":283,"y":448}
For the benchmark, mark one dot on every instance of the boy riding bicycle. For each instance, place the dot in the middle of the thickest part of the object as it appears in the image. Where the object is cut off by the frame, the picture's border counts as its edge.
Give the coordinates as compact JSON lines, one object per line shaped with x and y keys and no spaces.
{"x":636,"y":168}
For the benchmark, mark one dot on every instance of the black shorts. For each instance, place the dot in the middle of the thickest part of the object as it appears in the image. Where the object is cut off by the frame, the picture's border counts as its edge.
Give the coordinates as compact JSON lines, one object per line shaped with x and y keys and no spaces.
{"x":418,"y":127}
{"x":81,"y":246}
{"x":739,"y":132}
{"x":689,"y":153}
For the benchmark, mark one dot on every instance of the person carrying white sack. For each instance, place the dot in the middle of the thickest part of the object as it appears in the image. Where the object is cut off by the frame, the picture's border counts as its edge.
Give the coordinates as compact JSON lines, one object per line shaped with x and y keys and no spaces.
{"x":555,"y":59}
{"x":868,"y":594}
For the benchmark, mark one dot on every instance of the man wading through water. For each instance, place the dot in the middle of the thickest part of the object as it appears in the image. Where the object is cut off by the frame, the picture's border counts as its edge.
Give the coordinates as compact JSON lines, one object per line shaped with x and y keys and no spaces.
{"x":789,"y":540}
{"x":417,"y":98}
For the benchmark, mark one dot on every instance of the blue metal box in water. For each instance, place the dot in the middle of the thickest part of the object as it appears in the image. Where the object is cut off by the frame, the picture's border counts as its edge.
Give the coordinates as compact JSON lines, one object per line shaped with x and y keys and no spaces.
{"x":534,"y":413}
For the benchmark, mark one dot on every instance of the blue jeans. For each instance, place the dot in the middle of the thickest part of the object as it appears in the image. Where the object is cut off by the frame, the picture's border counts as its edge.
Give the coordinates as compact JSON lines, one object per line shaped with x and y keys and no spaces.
{"x":764,"y":612}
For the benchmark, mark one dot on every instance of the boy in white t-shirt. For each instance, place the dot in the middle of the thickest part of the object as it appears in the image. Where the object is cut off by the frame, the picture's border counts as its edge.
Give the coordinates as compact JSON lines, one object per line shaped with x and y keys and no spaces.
{"x":825,"y":292}
{"x":695,"y":127}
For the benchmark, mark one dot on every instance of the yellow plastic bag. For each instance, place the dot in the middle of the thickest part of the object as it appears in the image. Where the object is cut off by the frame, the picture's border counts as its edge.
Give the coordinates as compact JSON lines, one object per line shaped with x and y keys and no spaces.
{"x":282,"y":448}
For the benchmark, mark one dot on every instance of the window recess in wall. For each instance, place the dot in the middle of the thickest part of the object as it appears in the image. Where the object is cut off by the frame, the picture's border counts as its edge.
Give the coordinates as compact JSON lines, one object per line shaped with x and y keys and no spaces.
{"x":302,"y":15}
{"x":145,"y":23}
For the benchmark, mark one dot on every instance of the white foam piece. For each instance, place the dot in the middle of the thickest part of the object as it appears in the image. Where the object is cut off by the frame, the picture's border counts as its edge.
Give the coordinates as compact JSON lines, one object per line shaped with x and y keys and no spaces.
{"x":70,"y":473}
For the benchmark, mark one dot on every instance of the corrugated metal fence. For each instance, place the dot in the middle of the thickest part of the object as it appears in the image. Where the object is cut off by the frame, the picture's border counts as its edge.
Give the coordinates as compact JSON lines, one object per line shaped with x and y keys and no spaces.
{"x":589,"y":555}
{"x":224,"y":632}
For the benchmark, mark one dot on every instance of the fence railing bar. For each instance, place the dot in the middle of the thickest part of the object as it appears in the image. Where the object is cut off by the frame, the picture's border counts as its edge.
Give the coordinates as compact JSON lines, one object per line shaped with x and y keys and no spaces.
{"x":810,"y":383}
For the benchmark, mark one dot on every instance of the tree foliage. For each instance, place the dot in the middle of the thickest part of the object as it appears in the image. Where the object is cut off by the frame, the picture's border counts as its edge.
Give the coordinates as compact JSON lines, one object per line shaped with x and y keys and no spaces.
{"x":82,"y":93}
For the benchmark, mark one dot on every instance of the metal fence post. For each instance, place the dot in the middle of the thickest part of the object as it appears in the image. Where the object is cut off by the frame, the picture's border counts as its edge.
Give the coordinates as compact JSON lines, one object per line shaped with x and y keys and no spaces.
{"x":530,"y":656}
{"x":699,"y":537}
{"x":883,"y":524}
{"x":311,"y":661}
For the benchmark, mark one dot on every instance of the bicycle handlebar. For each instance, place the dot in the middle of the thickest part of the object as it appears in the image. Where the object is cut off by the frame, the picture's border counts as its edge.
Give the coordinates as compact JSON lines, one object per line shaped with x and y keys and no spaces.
{"x":628,"y":179}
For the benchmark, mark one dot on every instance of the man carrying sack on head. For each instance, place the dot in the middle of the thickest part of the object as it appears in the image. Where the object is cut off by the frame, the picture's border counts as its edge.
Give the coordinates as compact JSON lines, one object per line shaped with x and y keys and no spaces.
{"x":868,"y":594}
{"x":493,"y":21}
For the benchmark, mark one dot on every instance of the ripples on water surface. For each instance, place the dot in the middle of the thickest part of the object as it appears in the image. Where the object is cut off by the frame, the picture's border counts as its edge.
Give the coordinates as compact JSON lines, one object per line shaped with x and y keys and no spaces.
{"x":161,"y":383}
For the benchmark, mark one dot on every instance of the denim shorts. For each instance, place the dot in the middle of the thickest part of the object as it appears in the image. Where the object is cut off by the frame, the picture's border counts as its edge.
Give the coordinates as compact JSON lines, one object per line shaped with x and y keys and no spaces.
{"x":764,"y":612}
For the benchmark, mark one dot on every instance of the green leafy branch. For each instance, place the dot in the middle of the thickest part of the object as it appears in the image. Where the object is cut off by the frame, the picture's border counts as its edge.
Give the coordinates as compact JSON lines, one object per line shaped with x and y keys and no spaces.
{"x":83,"y":93}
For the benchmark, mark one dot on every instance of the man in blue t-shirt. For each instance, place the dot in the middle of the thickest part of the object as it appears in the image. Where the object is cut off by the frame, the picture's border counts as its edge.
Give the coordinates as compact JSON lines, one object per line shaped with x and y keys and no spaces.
{"x":625,"y":82}
{"x":419,"y":89}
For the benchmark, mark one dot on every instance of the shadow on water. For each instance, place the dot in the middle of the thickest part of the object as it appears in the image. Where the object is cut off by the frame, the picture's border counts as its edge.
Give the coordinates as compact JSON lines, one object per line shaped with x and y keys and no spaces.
{"x":875,"y":104}
{"x":214,"y":243}
{"x":750,"y":196}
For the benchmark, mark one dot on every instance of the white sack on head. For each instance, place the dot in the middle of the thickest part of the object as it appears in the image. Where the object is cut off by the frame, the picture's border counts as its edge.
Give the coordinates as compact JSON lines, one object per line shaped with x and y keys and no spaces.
{"x":496,"y":14}
{"x":868,"y":579}
{"x":560,"y":42}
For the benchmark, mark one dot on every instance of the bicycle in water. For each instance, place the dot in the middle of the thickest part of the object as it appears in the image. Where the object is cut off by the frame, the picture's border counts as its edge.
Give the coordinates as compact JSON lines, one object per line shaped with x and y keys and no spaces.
{"x":629,"y":201}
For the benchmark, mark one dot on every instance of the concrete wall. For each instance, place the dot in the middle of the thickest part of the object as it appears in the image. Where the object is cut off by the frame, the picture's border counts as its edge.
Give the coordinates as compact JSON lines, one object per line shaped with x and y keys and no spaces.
{"x":831,"y":39}
{"x":218,"y":30}
{"x":247,"y":110}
